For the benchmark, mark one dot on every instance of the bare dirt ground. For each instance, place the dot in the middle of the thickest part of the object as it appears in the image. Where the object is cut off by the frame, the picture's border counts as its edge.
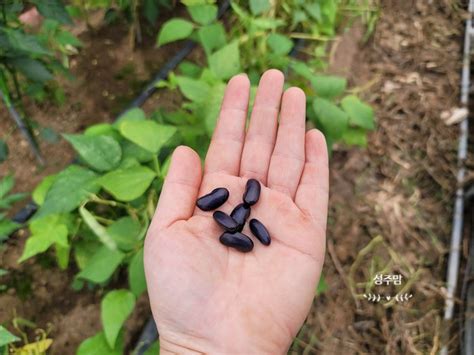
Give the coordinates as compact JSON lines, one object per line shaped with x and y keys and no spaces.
{"x":390,"y":205}
{"x":394,"y":197}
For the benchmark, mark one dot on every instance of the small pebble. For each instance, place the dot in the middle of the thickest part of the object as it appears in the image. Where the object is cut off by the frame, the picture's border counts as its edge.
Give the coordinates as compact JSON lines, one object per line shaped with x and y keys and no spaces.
{"x":213,"y":200}
{"x":237,"y":241}
{"x":260,"y":232}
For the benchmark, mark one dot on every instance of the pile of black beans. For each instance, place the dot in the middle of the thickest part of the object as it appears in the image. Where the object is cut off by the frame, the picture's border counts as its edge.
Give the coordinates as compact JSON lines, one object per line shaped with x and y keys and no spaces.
{"x":234,"y":224}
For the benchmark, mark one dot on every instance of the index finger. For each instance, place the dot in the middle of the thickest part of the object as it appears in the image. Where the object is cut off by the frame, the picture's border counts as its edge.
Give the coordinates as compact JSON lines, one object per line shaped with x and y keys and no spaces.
{"x":227,"y":141}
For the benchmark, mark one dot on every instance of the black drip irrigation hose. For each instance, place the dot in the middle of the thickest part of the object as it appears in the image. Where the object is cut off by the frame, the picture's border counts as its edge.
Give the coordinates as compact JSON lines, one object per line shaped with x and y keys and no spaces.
{"x":24,"y":129}
{"x":147,"y":337}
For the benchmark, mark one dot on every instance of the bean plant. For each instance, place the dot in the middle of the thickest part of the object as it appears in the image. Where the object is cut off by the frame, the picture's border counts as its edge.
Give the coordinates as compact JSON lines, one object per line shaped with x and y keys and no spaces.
{"x":7,"y":199}
{"x":30,"y":60}
{"x":95,"y":213}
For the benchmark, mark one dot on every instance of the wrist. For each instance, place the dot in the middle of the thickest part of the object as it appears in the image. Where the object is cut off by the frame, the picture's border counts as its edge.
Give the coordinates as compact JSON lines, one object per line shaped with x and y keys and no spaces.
{"x":191,"y":346}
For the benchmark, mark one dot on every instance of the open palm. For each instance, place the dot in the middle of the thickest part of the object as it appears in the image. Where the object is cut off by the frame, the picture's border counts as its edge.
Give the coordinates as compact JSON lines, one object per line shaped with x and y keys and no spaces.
{"x":209,"y":298}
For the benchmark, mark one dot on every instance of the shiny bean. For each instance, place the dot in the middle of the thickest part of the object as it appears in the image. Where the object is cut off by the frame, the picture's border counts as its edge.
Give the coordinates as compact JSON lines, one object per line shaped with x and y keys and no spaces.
{"x":259,"y":231}
{"x":240,"y":214}
{"x":237,"y":241}
{"x":225,"y":221}
{"x":213,"y":200}
{"x":252,"y":192}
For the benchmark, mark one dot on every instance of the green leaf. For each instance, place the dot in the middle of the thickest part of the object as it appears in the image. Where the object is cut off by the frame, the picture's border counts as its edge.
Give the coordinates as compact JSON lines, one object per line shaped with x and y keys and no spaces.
{"x":267,"y":23}
{"x":84,"y":250}
{"x":6,"y":184}
{"x":7,"y":227}
{"x":333,"y":120}
{"x":210,"y":109}
{"x":24,"y":42}
{"x":101,"y":265}
{"x":67,"y":39}
{"x":102,"y":129}
{"x":174,"y":30}
{"x":32,"y":69}
{"x":154,"y":349}
{"x":360,"y":114}
{"x":189,"y":69}
{"x":259,"y":6}
{"x":3,"y":151}
{"x":11,"y":199}
{"x":71,"y":188}
{"x":147,"y":134}
{"x":355,"y":136}
{"x":62,"y":256}
{"x":225,"y":62}
{"x":151,"y":10}
{"x":45,"y":232}
{"x":328,"y":86}
{"x":212,"y":37}
{"x":127,"y":184}
{"x":115,"y":308}
{"x":99,"y":129}
{"x":302,"y":69}
{"x":125,"y":232}
{"x":193,"y":89}
{"x":97,"y":345}
{"x":279,"y":44}
{"x":136,"y":274}
{"x":322,"y":286}
{"x":165,"y":167}
{"x":132,"y":151}
{"x":203,"y":14}
{"x":53,"y":9}
{"x":49,"y":135}
{"x":6,"y":337}
{"x":134,"y":114}
{"x":102,"y":153}
{"x":196,"y":2}
{"x":97,"y":228}
{"x":39,"y":193}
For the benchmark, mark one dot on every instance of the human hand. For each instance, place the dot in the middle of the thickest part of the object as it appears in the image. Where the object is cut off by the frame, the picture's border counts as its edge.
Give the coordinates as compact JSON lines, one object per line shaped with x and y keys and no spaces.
{"x":208,"y":298}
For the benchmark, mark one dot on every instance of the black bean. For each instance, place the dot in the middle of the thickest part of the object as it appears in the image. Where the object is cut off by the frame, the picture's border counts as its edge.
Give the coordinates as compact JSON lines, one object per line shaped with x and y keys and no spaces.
{"x":252,"y":192}
{"x":259,"y":231}
{"x":213,"y":200}
{"x":237,"y":241}
{"x":225,"y":221}
{"x":240,"y":214}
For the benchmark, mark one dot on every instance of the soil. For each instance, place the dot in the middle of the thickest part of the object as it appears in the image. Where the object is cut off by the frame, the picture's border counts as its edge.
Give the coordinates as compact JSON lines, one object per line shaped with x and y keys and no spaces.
{"x":398,"y":191}
{"x":400,"y":188}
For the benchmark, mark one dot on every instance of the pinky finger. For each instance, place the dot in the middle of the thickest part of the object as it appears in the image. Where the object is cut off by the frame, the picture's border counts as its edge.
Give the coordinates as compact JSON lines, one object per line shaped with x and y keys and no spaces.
{"x":313,"y":190}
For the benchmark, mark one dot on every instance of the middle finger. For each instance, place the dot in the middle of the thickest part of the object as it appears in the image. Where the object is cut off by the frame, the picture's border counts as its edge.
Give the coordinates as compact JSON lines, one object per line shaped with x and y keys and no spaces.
{"x":260,"y":137}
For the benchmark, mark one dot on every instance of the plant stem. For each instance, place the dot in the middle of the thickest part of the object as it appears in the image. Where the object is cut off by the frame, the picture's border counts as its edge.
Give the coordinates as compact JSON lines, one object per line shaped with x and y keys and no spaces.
{"x":19,"y":96}
{"x":97,"y":199}
{"x":156,"y":165}
{"x":309,"y":36}
{"x":103,"y":220}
